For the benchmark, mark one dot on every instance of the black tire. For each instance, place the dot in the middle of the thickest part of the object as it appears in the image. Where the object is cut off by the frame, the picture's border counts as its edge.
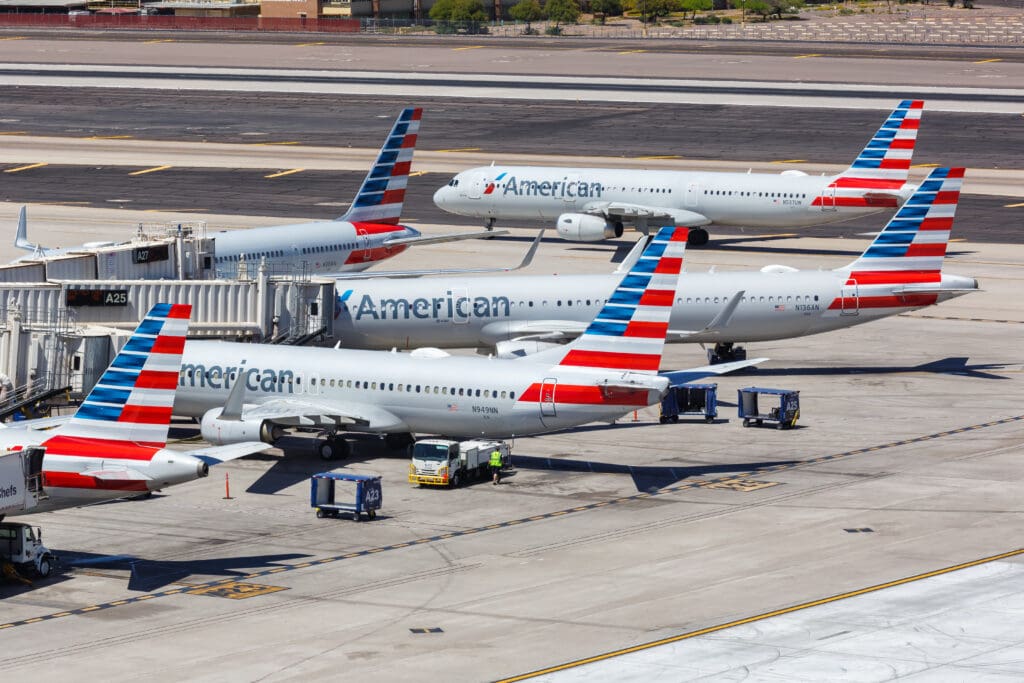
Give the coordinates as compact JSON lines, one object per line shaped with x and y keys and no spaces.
{"x":456,"y":480}
{"x":319,"y":514}
{"x":709,"y":419}
{"x":746,"y":422}
{"x":698,"y":237}
{"x":675,"y":419}
{"x":356,"y":517}
{"x":662,"y":419}
{"x":372,"y":514}
{"x":43,"y":568}
{"x":332,"y":449}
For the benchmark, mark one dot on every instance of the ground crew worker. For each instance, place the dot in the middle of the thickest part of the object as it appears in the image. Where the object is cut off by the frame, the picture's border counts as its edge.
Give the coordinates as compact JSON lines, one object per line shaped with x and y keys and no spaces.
{"x":496,"y":466}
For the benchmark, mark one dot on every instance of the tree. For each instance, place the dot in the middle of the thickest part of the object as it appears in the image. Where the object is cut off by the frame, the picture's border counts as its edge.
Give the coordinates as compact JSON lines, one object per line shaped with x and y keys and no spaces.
{"x":562,"y":11}
{"x":458,"y":10}
{"x":652,"y":9}
{"x":526,"y":10}
{"x":694,"y":6}
{"x":758,"y":7}
{"x":780,"y":7}
{"x":605,"y":8}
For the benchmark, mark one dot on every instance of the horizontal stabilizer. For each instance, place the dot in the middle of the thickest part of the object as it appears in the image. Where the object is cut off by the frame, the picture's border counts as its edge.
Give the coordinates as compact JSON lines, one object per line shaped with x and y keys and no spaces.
{"x":679,"y":377}
{"x":449,"y":237}
{"x":215,"y":455}
{"x":116,"y":475}
{"x":369,"y":275}
{"x":925,"y":289}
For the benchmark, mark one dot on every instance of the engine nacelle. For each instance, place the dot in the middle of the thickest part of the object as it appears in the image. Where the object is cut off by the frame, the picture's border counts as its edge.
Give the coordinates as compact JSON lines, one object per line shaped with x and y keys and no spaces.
{"x":220,"y":432}
{"x":518,"y":349}
{"x":580,"y":227}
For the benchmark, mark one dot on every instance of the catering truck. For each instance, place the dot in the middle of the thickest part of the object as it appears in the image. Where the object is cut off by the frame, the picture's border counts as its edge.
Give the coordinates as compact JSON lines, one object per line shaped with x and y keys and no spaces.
{"x":440,"y":462}
{"x":21,"y":476}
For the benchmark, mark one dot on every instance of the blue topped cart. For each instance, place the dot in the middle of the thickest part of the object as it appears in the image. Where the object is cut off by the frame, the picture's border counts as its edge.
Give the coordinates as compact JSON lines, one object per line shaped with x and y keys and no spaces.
{"x":758,"y":405}
{"x":327,"y":491}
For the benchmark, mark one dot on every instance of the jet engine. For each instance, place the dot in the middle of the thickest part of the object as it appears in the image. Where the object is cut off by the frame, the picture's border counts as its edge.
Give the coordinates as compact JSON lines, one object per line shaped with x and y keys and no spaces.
{"x":580,"y":227}
{"x":517,"y":348}
{"x":220,"y":432}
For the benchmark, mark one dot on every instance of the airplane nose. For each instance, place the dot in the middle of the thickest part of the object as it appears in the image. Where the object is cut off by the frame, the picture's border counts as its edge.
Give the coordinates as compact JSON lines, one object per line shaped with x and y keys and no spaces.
{"x":441,"y":196}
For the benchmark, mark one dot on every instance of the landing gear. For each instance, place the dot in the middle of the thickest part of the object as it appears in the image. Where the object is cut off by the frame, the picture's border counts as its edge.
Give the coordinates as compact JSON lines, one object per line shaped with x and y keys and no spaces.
{"x":333,"y":447}
{"x":698,"y":237}
{"x":726,"y":352}
{"x":489,"y":223}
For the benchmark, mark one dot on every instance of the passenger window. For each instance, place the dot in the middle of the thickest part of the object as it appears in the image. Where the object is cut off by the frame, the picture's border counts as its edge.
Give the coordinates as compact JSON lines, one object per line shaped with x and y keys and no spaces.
{"x":487,"y":393}
{"x":503,"y":394}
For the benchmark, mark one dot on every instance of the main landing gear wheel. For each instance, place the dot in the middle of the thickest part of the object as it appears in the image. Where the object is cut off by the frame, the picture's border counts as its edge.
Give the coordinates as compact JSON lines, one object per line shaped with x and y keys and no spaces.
{"x":332,"y":448}
{"x":698,"y":237}
{"x":399,"y":440}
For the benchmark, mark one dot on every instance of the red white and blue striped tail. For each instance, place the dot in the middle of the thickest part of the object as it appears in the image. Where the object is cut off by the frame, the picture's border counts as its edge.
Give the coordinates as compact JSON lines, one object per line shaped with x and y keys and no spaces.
{"x":127,"y":414}
{"x":885,"y":163}
{"x":382,"y":193}
{"x":629,"y":331}
{"x":911,"y":248}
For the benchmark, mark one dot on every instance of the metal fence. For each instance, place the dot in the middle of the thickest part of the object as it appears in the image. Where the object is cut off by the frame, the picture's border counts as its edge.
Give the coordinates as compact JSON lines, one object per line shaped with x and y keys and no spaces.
{"x":168,"y":22}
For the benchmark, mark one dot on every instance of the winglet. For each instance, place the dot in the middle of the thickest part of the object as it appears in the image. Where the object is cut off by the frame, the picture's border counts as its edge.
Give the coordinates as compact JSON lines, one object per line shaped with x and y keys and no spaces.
{"x":236,"y":400}
{"x":720,"y":321}
{"x":21,"y":238}
{"x":633,"y":256}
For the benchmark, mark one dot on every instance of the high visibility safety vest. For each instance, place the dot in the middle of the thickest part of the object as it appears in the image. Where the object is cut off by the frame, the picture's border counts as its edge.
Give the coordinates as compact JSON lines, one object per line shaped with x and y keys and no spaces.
{"x":496,"y":458}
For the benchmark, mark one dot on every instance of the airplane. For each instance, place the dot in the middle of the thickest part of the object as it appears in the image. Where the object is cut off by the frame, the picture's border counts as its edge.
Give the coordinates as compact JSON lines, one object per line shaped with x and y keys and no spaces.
{"x":246,"y":391}
{"x":900,"y":271}
{"x":592,"y":204}
{"x":368,"y":233}
{"x":115,"y":444}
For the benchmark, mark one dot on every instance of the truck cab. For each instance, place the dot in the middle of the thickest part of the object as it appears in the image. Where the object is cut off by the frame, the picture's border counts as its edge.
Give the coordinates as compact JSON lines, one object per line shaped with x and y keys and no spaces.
{"x":22,"y":546}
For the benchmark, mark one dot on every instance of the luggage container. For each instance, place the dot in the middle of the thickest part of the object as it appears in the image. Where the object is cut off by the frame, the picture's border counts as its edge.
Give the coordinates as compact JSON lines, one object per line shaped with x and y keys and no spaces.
{"x":327,"y":495}
{"x":690,"y":399}
{"x":754,"y":402}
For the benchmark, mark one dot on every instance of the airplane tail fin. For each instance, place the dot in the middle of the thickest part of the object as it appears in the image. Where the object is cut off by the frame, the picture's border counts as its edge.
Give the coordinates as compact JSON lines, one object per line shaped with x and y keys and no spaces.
{"x":382,"y":193}
{"x":629,"y":331}
{"x":911,"y":248}
{"x":883,"y":166}
{"x":127,"y":414}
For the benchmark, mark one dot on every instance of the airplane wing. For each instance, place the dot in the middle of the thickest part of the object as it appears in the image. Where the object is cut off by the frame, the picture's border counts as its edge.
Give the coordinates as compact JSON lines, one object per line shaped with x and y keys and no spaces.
{"x":633,"y":212}
{"x":366,"y":275}
{"x":533,"y":330}
{"x":215,"y":455}
{"x":438,"y":239}
{"x":313,"y":411}
{"x":37,"y":424}
{"x":678,"y":377}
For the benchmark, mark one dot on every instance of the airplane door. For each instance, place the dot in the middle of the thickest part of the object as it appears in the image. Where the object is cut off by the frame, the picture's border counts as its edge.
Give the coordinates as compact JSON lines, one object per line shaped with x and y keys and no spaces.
{"x":363,"y":242}
{"x":547,"y":397}
{"x":828,"y":199}
{"x":461,"y":306}
{"x":692,"y":192}
{"x":849,"y":299}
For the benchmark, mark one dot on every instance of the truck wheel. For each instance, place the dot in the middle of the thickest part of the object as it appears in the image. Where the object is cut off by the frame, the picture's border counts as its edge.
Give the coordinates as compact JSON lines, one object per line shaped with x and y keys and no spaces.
{"x":43,"y":568}
{"x":372,"y":514}
{"x":456,"y":480}
{"x":319,"y":514}
{"x":746,"y":422}
{"x":355,"y":516}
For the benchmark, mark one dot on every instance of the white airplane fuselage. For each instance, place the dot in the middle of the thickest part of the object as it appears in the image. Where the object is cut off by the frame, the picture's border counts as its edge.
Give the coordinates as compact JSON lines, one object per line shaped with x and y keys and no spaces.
{"x":453,"y":395}
{"x":744,"y":199}
{"x":481,"y":311}
{"x":320,"y":248}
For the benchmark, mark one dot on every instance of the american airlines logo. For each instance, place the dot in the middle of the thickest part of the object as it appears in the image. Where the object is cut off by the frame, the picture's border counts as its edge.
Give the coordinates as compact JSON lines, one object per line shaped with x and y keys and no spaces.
{"x":446,"y":307}
{"x":563,"y":188}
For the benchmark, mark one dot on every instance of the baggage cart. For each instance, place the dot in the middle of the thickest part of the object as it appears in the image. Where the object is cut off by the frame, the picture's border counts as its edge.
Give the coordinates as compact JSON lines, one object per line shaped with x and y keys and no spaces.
{"x":758,"y":405}
{"x":690,"y":399}
{"x":328,"y":494}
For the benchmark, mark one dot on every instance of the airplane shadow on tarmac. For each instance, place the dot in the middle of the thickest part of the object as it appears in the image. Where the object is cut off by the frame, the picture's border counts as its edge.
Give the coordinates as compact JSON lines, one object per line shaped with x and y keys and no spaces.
{"x":149,"y":575}
{"x":647,"y":479}
{"x":953,"y":365}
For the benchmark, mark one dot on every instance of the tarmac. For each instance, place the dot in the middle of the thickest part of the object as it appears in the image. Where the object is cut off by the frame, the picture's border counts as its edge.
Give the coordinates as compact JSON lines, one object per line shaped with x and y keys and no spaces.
{"x":607,"y":537}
